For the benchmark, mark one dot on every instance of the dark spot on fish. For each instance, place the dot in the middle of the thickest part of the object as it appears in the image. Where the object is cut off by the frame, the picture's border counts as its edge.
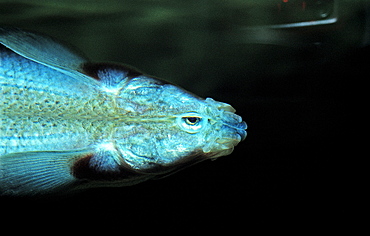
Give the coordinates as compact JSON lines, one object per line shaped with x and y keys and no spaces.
{"x":93,"y":69}
{"x":80,"y":168}
{"x":83,"y":169}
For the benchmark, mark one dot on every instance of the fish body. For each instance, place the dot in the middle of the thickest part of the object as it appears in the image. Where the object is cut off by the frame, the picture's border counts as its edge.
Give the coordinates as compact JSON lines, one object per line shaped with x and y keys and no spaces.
{"x":67,"y":123}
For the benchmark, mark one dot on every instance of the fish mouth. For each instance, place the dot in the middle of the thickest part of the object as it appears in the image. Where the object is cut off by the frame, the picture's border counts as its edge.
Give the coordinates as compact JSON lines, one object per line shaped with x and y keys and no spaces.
{"x":236,"y":135}
{"x":230,"y":133}
{"x":229,"y":118}
{"x":229,"y":129}
{"x":232,"y":139}
{"x":241,"y":130}
{"x":236,"y":124}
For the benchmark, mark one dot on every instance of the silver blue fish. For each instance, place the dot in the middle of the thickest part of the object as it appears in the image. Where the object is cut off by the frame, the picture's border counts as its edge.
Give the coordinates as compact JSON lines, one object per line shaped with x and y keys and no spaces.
{"x":68,"y":124}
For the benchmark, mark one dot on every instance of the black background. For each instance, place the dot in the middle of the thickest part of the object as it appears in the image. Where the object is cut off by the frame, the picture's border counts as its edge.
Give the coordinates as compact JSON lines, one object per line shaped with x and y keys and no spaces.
{"x":302,"y":105}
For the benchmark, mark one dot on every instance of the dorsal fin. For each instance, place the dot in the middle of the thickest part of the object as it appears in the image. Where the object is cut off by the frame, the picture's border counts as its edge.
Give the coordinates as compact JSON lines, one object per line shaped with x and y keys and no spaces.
{"x":42,"y":49}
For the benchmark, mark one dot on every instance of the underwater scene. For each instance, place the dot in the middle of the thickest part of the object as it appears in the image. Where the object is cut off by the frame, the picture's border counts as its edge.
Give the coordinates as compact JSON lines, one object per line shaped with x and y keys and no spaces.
{"x":290,"y":69}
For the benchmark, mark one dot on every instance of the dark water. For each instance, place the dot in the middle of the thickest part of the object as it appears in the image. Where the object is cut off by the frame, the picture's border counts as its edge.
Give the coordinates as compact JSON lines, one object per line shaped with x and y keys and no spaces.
{"x":297,"y":97}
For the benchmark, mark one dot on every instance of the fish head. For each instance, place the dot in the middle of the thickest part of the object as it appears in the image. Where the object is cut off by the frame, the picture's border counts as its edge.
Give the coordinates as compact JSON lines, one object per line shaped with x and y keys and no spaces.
{"x":172,"y":128}
{"x":211,"y":129}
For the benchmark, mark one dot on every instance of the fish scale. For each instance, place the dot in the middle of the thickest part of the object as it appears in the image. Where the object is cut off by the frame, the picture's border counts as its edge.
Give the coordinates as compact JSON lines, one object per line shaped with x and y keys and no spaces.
{"x":32,"y":91}
{"x":68,"y":124}
{"x":64,"y":117}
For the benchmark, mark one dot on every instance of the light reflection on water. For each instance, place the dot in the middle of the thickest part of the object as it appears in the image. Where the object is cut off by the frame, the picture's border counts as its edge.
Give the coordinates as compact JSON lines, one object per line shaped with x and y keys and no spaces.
{"x":199,"y":45}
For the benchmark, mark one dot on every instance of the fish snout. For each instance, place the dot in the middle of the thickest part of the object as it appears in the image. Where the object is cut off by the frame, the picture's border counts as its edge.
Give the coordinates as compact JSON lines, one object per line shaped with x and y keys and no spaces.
{"x":229,"y":129}
{"x":230,"y":119}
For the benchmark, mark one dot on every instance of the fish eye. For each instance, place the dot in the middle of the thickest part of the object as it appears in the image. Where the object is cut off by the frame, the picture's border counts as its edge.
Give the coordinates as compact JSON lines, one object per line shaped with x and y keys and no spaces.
{"x":191,"y":122}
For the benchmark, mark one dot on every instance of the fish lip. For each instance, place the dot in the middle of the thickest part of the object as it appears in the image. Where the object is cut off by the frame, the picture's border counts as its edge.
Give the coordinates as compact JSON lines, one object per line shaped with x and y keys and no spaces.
{"x":241,"y":130}
{"x":242,"y":134}
{"x":233,"y":141}
{"x":239,"y":126}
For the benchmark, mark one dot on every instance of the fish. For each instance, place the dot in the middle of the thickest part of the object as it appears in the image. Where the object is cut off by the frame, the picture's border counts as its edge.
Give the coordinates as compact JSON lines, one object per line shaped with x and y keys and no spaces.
{"x":69,"y":124}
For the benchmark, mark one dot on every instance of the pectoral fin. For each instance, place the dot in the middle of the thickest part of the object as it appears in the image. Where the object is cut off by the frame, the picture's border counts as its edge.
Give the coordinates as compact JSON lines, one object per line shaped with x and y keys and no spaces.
{"x":35,"y":173}
{"x":52,"y":172}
